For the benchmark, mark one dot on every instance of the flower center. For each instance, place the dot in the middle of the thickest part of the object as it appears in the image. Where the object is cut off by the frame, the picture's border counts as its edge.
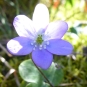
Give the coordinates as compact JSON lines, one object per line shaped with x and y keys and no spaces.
{"x":39,"y":39}
{"x":39,"y":42}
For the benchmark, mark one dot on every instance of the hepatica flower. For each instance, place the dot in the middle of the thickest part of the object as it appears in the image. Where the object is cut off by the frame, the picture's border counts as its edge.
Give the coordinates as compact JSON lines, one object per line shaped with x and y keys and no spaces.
{"x":39,"y":37}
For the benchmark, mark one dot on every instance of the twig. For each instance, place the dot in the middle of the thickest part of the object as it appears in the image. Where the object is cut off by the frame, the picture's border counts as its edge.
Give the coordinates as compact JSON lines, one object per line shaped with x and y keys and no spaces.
{"x":10,"y":72}
{"x":5,"y":50}
{"x":66,"y":84}
{"x":5,"y":62}
{"x":70,"y":84}
{"x":16,"y":79}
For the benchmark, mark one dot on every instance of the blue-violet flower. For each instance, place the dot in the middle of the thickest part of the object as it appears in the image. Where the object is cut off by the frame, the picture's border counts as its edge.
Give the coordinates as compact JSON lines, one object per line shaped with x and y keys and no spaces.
{"x":39,"y":37}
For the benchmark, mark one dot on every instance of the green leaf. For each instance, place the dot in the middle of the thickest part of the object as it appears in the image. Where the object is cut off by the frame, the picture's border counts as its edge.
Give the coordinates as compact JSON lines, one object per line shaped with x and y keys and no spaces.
{"x":73,"y":30}
{"x":55,"y":75}
{"x":38,"y":85}
{"x":23,"y":84}
{"x":29,"y":72}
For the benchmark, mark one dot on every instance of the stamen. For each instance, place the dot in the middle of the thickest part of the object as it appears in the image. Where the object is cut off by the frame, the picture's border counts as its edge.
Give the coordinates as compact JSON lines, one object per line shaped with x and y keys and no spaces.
{"x":44,"y":46}
{"x":40,"y":45}
{"x":40,"y":48}
{"x":35,"y":45}
{"x":47,"y":42}
{"x":34,"y":48}
{"x":32,"y":43}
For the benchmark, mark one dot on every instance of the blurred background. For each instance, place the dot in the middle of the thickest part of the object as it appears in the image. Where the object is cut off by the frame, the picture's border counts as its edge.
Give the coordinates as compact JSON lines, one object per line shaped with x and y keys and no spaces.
{"x":74,"y":12}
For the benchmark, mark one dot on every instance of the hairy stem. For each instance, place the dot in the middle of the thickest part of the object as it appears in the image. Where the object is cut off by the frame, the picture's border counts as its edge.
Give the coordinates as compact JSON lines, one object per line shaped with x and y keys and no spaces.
{"x":43,"y":75}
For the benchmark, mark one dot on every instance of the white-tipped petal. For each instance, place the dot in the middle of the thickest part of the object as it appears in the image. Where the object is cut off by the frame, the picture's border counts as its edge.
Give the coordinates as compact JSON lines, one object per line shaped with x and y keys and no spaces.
{"x":20,"y":46}
{"x":56,"y":30}
{"x":24,"y":26}
{"x":40,"y":16}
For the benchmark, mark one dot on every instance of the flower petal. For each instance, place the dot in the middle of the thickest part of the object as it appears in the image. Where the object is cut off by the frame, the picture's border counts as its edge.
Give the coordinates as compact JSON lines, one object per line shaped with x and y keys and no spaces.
{"x":59,"y":47}
{"x":42,"y":58}
{"x":40,"y":16}
{"x":24,"y":26}
{"x":19,"y":46}
{"x":56,"y":30}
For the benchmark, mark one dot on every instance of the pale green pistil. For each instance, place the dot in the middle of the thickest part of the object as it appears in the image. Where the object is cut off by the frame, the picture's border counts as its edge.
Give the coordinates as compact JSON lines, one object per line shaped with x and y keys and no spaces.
{"x":39,"y":39}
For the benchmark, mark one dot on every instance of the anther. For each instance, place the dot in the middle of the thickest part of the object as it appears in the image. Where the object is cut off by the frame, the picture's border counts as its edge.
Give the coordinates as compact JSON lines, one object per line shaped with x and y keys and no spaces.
{"x":34,"y":48}
{"x":40,"y":48}
{"x":32,"y":43}
{"x":47,"y":42}
{"x":35,"y":45}
{"x":44,"y":46}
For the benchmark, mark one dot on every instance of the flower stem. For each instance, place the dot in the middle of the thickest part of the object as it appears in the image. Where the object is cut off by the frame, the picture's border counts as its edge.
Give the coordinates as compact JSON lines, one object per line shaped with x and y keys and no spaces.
{"x":43,"y":75}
